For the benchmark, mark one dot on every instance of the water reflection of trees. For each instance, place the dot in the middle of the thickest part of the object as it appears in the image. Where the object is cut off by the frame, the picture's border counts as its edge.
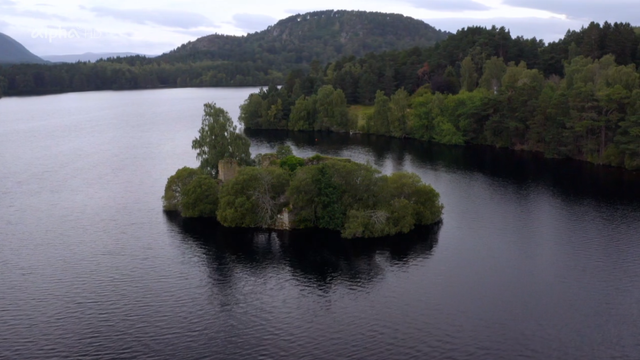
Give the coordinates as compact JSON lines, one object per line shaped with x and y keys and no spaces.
{"x":569,"y":177}
{"x":313,"y":256}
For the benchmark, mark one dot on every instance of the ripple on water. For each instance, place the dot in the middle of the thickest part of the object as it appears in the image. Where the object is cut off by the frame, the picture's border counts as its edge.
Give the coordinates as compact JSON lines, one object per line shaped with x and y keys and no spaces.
{"x":536,"y":259}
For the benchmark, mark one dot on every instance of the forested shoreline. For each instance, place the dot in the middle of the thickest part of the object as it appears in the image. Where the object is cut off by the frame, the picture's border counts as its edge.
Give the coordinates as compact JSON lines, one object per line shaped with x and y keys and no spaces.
{"x":130,"y":73}
{"x":577,"y":98}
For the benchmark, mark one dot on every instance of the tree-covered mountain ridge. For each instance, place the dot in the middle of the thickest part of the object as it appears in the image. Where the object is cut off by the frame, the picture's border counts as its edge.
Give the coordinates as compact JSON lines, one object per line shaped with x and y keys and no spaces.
{"x":319,"y":35}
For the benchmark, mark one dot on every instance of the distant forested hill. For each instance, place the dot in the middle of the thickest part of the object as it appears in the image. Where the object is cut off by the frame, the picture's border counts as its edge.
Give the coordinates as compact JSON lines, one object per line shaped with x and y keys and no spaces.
{"x":299,"y":42}
{"x":12,"y":52}
{"x":321,"y":35}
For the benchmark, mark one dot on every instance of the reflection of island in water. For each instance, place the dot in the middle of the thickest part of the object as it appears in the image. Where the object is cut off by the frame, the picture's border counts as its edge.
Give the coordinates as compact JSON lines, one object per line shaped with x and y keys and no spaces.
{"x":320,"y":256}
{"x":569,"y":177}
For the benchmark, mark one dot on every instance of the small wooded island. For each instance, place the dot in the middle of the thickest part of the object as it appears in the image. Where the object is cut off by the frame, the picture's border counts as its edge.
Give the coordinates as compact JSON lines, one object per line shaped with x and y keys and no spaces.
{"x":283,"y":191}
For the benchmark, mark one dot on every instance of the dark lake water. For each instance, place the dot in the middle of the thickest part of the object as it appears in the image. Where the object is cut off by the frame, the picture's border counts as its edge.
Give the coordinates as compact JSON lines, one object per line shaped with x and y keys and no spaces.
{"x":536,"y":259}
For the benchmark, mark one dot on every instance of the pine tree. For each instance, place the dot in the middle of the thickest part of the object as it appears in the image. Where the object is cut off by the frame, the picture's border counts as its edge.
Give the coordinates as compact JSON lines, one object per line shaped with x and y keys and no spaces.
{"x":381,"y":114}
{"x":493,"y":71}
{"x":468,"y":75}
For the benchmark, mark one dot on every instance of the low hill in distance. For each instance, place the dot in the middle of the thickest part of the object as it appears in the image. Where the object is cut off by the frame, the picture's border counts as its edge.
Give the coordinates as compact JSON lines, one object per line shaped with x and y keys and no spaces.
{"x":12,"y":52}
{"x":321,"y":35}
{"x":298,"y":43}
{"x":93,"y":57}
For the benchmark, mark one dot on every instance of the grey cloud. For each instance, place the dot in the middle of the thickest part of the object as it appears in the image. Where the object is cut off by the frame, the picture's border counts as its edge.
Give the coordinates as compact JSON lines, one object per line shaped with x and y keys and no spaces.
{"x":302,"y":11}
{"x":545,"y":29}
{"x":252,"y":22}
{"x":449,"y":5}
{"x":169,"y":18}
{"x":295,"y":11}
{"x":596,"y":10}
{"x":41,"y":15}
{"x":8,"y":9}
{"x":194,"y":32}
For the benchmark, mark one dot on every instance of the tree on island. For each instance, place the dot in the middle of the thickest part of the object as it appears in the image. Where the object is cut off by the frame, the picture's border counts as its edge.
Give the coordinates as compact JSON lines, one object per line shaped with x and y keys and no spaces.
{"x":254,"y":198}
{"x":219,"y":139}
{"x":284,"y":151}
{"x":194,"y":192}
{"x":176,"y":184}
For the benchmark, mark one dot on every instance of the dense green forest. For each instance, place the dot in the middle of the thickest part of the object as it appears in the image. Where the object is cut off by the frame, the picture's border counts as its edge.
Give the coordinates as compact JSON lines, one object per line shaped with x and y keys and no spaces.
{"x":320,"y":35}
{"x":284,"y":191}
{"x":129,"y":73}
{"x":300,"y":41}
{"x":578,"y":97}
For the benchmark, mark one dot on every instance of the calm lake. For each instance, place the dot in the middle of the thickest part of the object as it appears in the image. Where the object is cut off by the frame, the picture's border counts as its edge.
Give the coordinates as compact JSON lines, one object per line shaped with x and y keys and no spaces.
{"x":536,"y":259}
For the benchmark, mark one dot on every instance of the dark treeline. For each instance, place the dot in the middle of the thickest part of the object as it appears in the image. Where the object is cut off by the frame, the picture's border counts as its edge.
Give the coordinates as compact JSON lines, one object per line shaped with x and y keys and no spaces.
{"x":577,"y":98}
{"x":137,"y":72}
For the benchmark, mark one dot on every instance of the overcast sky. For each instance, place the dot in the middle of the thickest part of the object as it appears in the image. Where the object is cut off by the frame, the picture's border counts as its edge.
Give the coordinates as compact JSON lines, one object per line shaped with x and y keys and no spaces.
{"x":48,"y":27}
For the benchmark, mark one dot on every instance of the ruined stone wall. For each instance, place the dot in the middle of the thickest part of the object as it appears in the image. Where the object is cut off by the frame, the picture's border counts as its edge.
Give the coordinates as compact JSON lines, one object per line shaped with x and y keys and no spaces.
{"x":227,"y":169}
{"x":283,"y":222}
{"x":268,"y":160}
